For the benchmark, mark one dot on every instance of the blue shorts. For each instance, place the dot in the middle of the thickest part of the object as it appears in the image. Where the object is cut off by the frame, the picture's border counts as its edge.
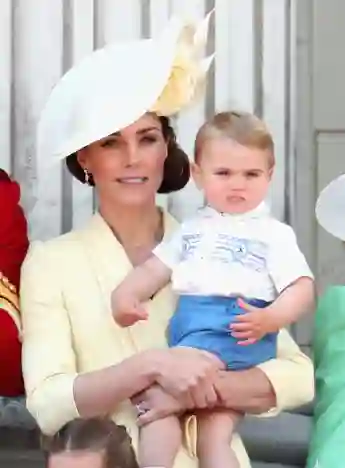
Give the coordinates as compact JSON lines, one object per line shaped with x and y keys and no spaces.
{"x":203,"y":322}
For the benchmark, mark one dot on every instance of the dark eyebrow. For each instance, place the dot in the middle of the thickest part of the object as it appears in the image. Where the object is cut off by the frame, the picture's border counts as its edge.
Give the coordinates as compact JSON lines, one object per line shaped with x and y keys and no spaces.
{"x":139,"y":132}
{"x":146,"y":130}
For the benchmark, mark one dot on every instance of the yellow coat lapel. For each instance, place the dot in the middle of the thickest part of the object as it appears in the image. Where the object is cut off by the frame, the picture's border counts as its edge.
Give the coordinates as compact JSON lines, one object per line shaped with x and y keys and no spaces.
{"x":110,"y":265}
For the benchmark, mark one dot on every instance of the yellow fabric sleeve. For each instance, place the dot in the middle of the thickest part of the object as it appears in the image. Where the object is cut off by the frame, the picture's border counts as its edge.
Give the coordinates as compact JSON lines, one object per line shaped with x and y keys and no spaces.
{"x":49,"y":366}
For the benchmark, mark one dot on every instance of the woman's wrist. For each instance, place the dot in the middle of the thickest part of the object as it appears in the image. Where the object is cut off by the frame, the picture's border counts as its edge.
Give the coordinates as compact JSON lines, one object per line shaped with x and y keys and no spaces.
{"x":247,"y":391}
{"x":151,"y":362}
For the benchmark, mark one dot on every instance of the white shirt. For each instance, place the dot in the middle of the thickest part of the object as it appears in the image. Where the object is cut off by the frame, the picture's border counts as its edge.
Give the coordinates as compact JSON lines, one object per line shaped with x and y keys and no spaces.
{"x":251,"y":255}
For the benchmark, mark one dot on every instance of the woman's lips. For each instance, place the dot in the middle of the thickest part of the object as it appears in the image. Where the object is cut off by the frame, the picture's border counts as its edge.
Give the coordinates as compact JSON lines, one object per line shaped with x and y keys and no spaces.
{"x":132,"y":180}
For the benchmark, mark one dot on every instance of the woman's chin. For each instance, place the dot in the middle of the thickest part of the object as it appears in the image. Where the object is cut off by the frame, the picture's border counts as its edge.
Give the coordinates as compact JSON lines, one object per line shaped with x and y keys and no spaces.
{"x":136,"y":197}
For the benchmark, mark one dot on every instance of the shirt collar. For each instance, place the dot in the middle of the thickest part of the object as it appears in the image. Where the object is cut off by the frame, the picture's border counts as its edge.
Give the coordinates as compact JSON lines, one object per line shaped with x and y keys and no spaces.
{"x":260,"y":211}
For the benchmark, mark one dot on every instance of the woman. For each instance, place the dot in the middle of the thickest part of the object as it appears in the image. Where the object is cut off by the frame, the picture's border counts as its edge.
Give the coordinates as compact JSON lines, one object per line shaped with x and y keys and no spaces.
{"x":13,"y":247}
{"x":327,"y":447}
{"x":95,"y":443}
{"x":109,"y":126}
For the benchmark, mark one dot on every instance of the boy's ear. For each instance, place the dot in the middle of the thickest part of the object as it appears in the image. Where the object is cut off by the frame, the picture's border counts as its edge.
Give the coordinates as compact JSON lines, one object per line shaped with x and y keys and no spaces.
{"x":196,"y":174}
{"x":270,"y":172}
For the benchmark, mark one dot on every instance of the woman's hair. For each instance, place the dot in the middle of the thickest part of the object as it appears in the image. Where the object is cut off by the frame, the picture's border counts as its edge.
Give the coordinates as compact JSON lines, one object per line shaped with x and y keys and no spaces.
{"x":176,"y":171}
{"x":94,"y":435}
{"x":242,"y":127}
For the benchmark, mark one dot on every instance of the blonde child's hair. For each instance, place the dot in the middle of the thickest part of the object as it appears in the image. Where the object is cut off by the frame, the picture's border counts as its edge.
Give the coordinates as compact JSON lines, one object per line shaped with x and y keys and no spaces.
{"x":242,"y":127}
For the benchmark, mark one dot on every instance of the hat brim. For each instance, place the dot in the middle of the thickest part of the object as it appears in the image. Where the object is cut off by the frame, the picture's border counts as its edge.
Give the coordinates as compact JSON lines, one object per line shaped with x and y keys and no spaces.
{"x":106,"y":92}
{"x":330,"y":208}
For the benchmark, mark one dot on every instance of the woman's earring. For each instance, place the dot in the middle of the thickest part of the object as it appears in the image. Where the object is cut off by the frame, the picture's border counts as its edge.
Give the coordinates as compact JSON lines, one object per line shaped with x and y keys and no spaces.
{"x":87,"y":176}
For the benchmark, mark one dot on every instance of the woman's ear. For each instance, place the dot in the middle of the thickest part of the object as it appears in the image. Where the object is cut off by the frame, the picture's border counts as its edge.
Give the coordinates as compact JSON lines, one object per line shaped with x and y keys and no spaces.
{"x":197,"y":175}
{"x":82,"y":157}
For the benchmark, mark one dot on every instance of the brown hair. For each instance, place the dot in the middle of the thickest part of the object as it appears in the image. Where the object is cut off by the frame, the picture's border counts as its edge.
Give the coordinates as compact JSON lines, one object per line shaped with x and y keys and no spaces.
{"x":96,"y":435}
{"x":176,"y":171}
{"x":244,"y":128}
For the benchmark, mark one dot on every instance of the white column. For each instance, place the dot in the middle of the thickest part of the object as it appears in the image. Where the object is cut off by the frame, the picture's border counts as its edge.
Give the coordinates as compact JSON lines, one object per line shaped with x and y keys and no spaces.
{"x":185,"y":202}
{"x":37,"y":67}
{"x":275,"y":83}
{"x":5,"y":83}
{"x":234,"y":65}
{"x":159,"y":16}
{"x":81,"y":22}
{"x":118,"y":20}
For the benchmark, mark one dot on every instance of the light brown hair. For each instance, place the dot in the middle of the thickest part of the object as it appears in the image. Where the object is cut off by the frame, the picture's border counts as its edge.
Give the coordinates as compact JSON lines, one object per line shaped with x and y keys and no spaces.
{"x":95,"y":435}
{"x":243,"y":127}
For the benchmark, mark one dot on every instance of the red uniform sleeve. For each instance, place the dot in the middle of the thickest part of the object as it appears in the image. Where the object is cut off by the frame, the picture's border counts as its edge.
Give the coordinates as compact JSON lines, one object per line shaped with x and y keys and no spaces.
{"x":13,"y":247}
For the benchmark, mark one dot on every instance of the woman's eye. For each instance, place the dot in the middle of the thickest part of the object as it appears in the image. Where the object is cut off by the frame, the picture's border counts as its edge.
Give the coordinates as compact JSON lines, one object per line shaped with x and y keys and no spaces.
{"x":111,"y":142}
{"x":149,"y":139}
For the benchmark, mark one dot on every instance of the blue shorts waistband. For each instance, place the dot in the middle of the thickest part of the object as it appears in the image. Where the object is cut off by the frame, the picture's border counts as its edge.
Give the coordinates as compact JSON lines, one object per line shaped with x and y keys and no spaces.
{"x":221,"y":300}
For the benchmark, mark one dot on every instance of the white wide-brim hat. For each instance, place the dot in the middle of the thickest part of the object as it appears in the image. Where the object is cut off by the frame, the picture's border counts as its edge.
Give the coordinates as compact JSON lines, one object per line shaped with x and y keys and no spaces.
{"x":114,"y":86}
{"x":330,"y":208}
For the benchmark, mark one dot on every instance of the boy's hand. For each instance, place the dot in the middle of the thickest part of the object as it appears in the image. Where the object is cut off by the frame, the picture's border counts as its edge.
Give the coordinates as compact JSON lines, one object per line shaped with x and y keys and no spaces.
{"x":254,"y":323}
{"x":127,"y":312}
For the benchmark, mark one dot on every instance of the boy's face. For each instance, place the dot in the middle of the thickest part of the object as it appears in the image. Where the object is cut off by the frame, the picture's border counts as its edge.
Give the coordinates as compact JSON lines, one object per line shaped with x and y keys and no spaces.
{"x":76,"y":459}
{"x":233,"y":177}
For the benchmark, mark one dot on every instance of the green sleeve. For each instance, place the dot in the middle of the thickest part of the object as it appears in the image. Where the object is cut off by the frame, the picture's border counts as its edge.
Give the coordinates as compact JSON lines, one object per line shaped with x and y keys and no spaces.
{"x":327,"y":448}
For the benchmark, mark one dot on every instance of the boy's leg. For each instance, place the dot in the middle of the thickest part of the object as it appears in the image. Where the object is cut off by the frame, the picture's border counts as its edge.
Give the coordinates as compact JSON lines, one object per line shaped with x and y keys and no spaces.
{"x":159,"y":443}
{"x":215,"y":431}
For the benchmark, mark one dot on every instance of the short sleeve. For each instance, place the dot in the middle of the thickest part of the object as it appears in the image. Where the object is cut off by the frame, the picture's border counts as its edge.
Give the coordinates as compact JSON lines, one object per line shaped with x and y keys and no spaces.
{"x":169,"y":251}
{"x":286,"y":262}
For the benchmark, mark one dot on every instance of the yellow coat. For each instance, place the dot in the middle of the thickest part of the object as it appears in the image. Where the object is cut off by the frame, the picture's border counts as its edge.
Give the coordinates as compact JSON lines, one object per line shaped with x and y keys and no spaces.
{"x":68,"y":329}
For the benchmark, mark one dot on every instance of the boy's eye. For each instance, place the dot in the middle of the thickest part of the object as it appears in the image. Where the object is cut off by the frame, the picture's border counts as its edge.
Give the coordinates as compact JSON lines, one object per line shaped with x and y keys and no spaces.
{"x":252,"y":174}
{"x":223,"y":172}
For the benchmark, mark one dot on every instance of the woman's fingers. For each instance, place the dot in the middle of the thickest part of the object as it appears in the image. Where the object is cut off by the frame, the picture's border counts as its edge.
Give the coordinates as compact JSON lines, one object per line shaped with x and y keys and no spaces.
{"x":205,"y":396}
{"x":189,"y":375}
{"x":150,"y":416}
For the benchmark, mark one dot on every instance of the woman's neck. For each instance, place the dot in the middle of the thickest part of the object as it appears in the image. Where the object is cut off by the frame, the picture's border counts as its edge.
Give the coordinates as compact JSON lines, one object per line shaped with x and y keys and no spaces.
{"x":138,"y":229}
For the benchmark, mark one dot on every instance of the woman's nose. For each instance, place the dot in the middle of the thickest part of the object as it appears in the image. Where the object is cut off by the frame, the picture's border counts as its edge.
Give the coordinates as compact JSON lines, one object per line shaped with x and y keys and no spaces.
{"x":132,"y":154}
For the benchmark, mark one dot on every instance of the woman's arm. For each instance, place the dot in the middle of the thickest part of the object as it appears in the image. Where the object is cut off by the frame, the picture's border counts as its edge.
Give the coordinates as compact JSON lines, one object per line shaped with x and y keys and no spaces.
{"x":56,"y":394}
{"x":279,"y":384}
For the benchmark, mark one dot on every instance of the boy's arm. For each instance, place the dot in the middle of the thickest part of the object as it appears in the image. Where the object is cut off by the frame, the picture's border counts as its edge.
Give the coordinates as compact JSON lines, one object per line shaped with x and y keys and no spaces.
{"x":137,"y":287}
{"x":144,"y":280}
{"x":292,"y":278}
{"x":293,"y":281}
{"x":294,"y":302}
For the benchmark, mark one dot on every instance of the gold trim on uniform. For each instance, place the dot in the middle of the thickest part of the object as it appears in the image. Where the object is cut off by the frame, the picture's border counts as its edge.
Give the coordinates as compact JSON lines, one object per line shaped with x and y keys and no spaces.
{"x":9,"y":300}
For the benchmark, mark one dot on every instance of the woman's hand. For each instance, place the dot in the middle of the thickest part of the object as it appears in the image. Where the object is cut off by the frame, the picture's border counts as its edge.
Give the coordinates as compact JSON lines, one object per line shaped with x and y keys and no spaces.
{"x":154,"y":403}
{"x":188,"y":375}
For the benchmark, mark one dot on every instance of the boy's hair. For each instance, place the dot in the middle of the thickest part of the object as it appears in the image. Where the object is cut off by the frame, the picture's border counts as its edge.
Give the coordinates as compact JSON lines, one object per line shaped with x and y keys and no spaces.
{"x":95,"y":435}
{"x":242,"y":127}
